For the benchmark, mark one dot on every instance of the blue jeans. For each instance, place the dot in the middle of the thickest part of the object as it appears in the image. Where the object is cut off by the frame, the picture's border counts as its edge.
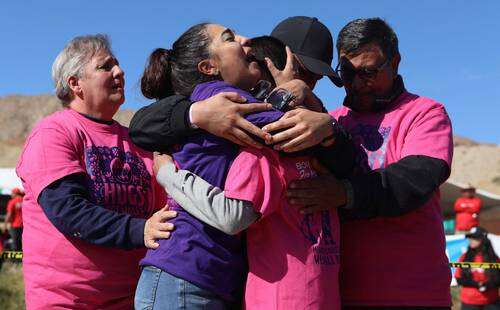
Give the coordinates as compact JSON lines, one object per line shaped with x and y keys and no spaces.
{"x":160,"y":290}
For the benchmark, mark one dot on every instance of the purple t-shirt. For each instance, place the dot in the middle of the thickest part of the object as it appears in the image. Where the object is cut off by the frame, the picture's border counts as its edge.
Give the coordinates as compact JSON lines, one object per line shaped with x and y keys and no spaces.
{"x":197,"y":252}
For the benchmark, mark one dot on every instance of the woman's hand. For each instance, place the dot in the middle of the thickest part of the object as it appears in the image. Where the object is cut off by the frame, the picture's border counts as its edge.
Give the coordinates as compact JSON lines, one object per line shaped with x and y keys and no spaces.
{"x":304,"y":129}
{"x":159,"y":160}
{"x":222,"y":115}
{"x":288,"y":73}
{"x":157,"y":227}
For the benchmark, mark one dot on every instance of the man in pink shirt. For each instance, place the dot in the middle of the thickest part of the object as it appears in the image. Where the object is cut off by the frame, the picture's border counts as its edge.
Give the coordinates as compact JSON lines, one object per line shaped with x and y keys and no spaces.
{"x":392,"y":238}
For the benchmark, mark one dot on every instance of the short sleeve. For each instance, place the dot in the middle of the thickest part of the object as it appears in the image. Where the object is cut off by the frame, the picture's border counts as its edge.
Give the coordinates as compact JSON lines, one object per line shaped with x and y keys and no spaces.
{"x":10,"y":206}
{"x":255,"y":176}
{"x":48,"y":155}
{"x":430,"y":135}
{"x":479,"y":204}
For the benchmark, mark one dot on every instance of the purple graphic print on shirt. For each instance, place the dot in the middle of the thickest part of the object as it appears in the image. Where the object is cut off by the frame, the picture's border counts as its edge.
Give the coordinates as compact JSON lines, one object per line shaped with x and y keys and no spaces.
{"x":118,"y":180}
{"x":373,"y":143}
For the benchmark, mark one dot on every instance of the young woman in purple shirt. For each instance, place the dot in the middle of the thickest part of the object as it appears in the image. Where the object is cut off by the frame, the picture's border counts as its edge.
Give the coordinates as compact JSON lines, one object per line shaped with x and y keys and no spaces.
{"x":199,"y":266}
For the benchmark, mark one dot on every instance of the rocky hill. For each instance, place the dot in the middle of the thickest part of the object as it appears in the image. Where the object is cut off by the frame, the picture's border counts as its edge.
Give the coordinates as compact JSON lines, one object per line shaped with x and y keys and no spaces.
{"x":479,"y":165}
{"x":473,"y":162}
{"x":18,"y":115}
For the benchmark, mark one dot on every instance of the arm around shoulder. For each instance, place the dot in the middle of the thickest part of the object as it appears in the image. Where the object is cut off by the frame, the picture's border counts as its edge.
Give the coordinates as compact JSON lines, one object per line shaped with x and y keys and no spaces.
{"x":205,"y":201}
{"x":162,"y":124}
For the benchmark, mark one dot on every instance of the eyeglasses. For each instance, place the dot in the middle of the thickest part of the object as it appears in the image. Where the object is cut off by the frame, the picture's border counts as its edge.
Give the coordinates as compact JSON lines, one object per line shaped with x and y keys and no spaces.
{"x":347,"y":72}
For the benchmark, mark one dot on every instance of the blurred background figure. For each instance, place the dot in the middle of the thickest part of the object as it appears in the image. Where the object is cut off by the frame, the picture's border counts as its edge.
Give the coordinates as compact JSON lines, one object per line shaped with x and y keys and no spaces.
{"x":4,"y":236}
{"x":479,"y":286}
{"x":467,"y":209}
{"x":14,"y":218}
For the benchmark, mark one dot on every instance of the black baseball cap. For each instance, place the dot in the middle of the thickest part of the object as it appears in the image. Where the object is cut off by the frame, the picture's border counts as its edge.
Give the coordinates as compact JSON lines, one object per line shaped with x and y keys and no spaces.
{"x":311,"y":41}
{"x":477,"y":233}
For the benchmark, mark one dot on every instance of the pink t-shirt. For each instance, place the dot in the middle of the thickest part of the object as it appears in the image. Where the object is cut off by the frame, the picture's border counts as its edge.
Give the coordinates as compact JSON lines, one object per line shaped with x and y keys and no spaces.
{"x":397,"y":261}
{"x":62,"y":271}
{"x":293,"y":258}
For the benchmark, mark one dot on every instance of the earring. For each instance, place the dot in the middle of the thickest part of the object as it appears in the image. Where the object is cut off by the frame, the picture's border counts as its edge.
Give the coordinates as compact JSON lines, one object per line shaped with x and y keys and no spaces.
{"x":216,"y":71}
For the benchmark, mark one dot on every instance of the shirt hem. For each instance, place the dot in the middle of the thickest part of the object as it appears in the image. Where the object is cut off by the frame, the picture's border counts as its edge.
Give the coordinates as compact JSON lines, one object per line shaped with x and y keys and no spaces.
{"x":406,"y":303}
{"x":186,"y":277}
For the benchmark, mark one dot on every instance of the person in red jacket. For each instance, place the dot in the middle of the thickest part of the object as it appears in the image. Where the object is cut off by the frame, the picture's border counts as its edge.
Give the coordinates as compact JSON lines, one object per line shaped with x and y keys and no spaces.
{"x":479,"y":286}
{"x":467,"y":210}
{"x":14,"y":218}
{"x":3,"y":238}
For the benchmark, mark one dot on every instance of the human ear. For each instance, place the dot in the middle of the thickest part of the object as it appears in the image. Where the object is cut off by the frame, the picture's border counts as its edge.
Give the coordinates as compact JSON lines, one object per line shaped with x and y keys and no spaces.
{"x":208,"y":67}
{"x":395,"y":64}
{"x":74,"y":85}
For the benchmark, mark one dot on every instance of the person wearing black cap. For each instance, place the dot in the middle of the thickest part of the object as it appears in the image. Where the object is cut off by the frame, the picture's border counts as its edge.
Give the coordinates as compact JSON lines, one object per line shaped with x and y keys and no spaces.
{"x":168,"y":121}
{"x":312,"y":44}
{"x":479,"y":286}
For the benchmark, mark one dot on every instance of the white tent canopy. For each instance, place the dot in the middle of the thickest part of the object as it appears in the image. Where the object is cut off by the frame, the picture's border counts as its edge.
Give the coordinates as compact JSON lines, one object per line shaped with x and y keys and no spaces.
{"x":450,"y":191}
{"x":8,"y":181}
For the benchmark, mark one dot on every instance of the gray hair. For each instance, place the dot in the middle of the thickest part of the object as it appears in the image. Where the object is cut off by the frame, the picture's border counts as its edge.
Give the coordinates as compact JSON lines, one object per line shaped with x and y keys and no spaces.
{"x":72,"y":59}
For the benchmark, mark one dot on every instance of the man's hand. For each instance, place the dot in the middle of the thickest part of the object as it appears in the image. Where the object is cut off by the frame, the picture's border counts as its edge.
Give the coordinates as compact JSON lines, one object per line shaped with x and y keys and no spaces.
{"x":323,"y":192}
{"x":222,"y":115}
{"x":160,"y":160}
{"x":304,"y":129}
{"x":157,"y":227}
{"x":303,"y":96}
{"x":288,"y":73}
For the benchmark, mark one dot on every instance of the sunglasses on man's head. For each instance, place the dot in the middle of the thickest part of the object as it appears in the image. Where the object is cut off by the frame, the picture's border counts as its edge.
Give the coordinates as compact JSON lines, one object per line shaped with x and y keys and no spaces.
{"x":347,"y":72}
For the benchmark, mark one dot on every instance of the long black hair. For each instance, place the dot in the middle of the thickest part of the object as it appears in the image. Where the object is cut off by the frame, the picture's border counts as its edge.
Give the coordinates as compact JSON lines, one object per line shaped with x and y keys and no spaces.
{"x":488,"y":253}
{"x":175,"y":71}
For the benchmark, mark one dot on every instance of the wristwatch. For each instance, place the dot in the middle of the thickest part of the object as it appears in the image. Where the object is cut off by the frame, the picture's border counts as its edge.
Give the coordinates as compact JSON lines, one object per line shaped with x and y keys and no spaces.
{"x":336,"y":129}
{"x":279,"y":98}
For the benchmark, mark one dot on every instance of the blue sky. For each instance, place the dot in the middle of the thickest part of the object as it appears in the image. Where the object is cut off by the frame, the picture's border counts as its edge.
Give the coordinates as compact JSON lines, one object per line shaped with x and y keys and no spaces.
{"x":450,"y":49}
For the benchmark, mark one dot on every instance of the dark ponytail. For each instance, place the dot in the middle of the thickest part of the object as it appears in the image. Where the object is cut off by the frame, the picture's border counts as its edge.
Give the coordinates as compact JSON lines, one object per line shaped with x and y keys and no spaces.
{"x":175,"y":71}
{"x":155,"y":81}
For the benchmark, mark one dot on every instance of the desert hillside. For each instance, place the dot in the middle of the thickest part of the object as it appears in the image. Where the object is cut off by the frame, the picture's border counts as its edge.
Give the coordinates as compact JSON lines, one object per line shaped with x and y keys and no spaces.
{"x":18,"y":115}
{"x":473,"y":162}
